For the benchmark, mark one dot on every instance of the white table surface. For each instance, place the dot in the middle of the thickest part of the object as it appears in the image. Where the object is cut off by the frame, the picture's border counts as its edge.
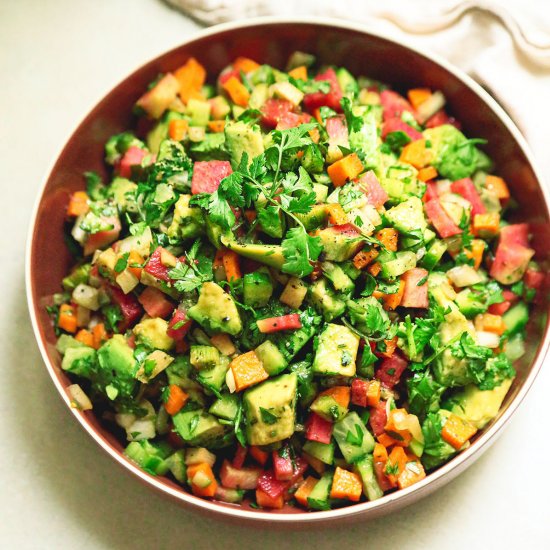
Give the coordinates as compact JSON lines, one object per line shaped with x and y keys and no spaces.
{"x":57,"y":489}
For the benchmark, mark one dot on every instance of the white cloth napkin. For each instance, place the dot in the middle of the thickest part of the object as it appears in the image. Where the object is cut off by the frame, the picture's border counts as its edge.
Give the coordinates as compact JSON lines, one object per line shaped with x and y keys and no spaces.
{"x":478,"y":43}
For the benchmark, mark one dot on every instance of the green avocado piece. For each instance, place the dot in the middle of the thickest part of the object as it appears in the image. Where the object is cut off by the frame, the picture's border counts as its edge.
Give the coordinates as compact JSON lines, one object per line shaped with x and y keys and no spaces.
{"x":241,"y":138}
{"x":123,"y":191}
{"x":339,"y":244}
{"x":268,"y":254}
{"x":271,"y":357}
{"x":408,"y":216}
{"x":336,"y":351}
{"x":257,"y":288}
{"x":188,"y":221}
{"x":80,"y":360}
{"x":216,"y":233}
{"x":199,"y":429}
{"x":325,"y":300}
{"x":353,"y":438}
{"x":198,"y":111}
{"x":216,"y":311}
{"x":448,"y":369}
{"x":152,"y":333}
{"x":315,"y":218}
{"x":214,"y":378}
{"x":479,"y":407}
{"x":117,"y":366}
{"x":226,"y":406}
{"x":270,"y":409}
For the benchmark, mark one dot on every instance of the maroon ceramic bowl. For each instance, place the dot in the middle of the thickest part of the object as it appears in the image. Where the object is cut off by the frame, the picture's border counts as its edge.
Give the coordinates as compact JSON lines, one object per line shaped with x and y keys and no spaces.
{"x":271,"y":41}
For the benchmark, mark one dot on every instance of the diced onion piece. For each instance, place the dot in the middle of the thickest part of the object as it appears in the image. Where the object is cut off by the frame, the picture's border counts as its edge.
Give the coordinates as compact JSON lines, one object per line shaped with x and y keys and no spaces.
{"x":125,"y":420}
{"x":79,"y":400}
{"x":428,"y":108}
{"x":127,"y":281}
{"x":141,"y":429}
{"x":488,"y":339}
{"x":77,"y":233}
{"x":464,"y":275}
{"x":200,"y":479}
{"x":86,"y":296}
{"x":199,"y":454}
{"x":410,"y":423}
{"x":230,"y":381}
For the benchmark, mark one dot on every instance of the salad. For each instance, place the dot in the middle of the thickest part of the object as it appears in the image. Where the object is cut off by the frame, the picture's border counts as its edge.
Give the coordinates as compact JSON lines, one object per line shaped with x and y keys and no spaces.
{"x":294,"y":287}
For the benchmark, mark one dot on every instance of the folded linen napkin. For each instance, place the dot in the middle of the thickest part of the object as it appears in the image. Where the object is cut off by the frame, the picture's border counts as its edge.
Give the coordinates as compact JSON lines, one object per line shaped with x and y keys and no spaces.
{"x":500,"y":45}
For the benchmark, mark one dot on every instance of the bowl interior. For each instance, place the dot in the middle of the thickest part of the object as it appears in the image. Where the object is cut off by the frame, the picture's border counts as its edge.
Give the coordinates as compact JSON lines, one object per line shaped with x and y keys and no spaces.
{"x":272,"y":43}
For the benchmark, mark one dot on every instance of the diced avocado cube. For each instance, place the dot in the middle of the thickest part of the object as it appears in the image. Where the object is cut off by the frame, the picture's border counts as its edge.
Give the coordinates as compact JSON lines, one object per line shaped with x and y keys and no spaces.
{"x":339,"y":279}
{"x":258,"y":96}
{"x":339,"y":244}
{"x":270,"y":409}
{"x":80,"y":360}
{"x":257,"y":288}
{"x":78,"y":276}
{"x":179,"y":372}
{"x":271,"y":357}
{"x":408,"y":215}
{"x":188,"y":221}
{"x":176,"y":464}
{"x":325,"y":300}
{"x":318,"y":499}
{"x":434,"y":254}
{"x":216,"y":311}
{"x":479,"y":407}
{"x":365,"y":468}
{"x":268,"y":254}
{"x":199,"y":112}
{"x":65,"y":342}
{"x":395,"y":264}
{"x":199,"y":428}
{"x":328,"y":408}
{"x":214,"y":378}
{"x":321,"y":451}
{"x":315,"y":218}
{"x":123,"y":191}
{"x":314,"y":162}
{"x":291,"y":342}
{"x":117,"y":366}
{"x":241,"y":138}
{"x":153,"y":365}
{"x":204,"y":357}
{"x":226,"y":406}
{"x":152,"y":333}
{"x":287,"y":91}
{"x":353,"y":438}
{"x":215,"y":233}
{"x":348,"y":83}
{"x":336,"y":351}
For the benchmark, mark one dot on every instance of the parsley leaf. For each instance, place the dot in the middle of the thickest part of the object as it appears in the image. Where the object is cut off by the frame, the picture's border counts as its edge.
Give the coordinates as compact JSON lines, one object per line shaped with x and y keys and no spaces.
{"x":299,"y":249}
{"x":354,"y":122}
{"x":357,"y":437}
{"x":196,"y":270}
{"x":268,"y":417}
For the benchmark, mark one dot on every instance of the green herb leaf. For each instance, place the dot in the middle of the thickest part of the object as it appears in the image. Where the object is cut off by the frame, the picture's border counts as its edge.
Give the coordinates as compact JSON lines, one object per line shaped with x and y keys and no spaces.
{"x":268,"y":417}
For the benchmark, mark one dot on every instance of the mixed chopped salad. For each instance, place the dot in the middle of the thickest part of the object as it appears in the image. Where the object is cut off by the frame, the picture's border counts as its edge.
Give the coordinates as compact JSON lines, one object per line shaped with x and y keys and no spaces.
{"x":295,"y":286}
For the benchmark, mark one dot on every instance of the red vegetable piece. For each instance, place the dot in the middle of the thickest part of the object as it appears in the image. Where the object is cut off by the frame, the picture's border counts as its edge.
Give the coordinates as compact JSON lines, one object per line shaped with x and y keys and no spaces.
{"x":133,"y":157}
{"x":300,"y":466}
{"x":239,"y":478}
{"x":273,"y":110}
{"x":129,"y":307}
{"x":270,"y":485}
{"x":397,"y":125}
{"x":337,"y":131}
{"x":319,"y":99}
{"x":155,"y":303}
{"x":383,"y":481}
{"x":289,"y":120}
{"x":282,"y":466}
{"x":179,"y":319}
{"x":500,"y":309}
{"x":378,"y":418}
{"x":276,"y":324}
{"x":103,"y":238}
{"x":240,"y":456}
{"x":156,"y":268}
{"x":431,"y":192}
{"x":393,"y":104}
{"x":466,"y":188}
{"x":376,"y":194}
{"x":515,"y":234}
{"x":391,"y":369}
{"x":359,"y":390}
{"x":440,"y":118}
{"x":534,"y":278}
{"x":318,"y":429}
{"x":414,"y":295}
{"x":510,"y":262}
{"x":226,"y":75}
{"x":208,"y":174}
{"x":444,"y":225}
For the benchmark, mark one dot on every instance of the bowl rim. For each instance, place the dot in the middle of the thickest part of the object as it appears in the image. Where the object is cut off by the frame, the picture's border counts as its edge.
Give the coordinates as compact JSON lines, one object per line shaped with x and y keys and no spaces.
{"x":389,"y":502}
